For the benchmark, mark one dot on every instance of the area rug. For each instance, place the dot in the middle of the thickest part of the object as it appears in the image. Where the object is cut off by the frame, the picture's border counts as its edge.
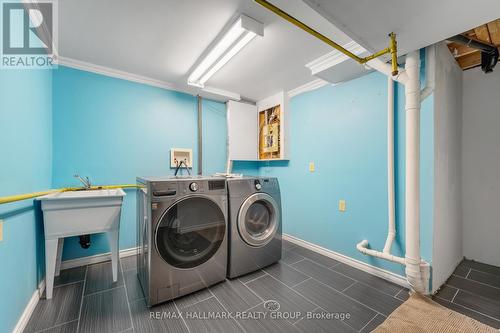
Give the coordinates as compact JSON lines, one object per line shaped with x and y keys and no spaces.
{"x":421,"y":314}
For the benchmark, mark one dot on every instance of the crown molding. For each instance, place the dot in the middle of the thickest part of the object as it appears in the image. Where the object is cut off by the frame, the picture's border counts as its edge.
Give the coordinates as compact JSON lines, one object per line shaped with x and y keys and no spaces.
{"x":313,"y":85}
{"x":334,"y":58}
{"x":211,"y":92}
{"x":107,"y":71}
{"x":215,"y":92}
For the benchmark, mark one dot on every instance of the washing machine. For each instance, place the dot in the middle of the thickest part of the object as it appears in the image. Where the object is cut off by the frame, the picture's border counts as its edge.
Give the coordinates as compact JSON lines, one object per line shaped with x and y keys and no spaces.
{"x":182,"y":235}
{"x":255,"y":236}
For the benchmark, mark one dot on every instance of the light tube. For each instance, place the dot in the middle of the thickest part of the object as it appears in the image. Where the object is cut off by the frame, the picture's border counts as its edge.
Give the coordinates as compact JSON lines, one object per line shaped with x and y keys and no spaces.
{"x":231,"y":53}
{"x":238,"y":35}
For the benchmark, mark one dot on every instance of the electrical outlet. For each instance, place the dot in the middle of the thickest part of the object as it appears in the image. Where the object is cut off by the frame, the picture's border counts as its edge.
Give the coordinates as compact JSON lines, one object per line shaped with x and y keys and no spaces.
{"x":311,"y":166}
{"x":1,"y":230}
{"x":342,"y":205}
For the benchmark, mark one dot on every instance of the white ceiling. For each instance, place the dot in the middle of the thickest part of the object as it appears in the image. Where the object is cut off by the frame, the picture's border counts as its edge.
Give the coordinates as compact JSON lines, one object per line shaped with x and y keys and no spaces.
{"x":162,"y":39}
{"x":416,"y":23}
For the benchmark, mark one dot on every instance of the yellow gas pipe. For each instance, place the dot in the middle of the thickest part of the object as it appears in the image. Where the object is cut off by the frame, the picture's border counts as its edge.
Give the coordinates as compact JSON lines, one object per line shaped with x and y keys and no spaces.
{"x":392,"y":49}
{"x":20,"y":197}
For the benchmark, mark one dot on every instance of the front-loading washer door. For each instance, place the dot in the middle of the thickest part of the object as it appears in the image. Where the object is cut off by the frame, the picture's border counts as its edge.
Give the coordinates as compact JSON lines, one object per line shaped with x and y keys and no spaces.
{"x":190,"y":232}
{"x":258,"y":219}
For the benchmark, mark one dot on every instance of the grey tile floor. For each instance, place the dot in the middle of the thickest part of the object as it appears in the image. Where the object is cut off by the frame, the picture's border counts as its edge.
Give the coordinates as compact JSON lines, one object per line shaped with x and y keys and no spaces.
{"x":304,"y":282}
{"x":473,"y":290}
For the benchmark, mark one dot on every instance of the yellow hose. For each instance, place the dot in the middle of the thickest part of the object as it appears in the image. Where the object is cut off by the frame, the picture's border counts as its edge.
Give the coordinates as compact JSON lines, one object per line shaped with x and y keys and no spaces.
{"x":20,"y":197}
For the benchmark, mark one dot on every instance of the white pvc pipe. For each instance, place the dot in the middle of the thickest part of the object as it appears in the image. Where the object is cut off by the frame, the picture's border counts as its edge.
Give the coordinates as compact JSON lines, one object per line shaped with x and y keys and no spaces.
{"x":391,"y":233}
{"x":430,"y":72}
{"x":229,"y":162}
{"x":412,"y":196}
{"x":362,"y":247}
{"x":391,"y":197}
{"x":386,"y":69}
{"x":417,"y":271}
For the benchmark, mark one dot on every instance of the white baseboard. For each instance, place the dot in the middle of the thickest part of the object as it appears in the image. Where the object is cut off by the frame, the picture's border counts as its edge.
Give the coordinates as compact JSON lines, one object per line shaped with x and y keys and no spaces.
{"x":30,"y":307}
{"x":382,"y":273}
{"x":28,"y":311}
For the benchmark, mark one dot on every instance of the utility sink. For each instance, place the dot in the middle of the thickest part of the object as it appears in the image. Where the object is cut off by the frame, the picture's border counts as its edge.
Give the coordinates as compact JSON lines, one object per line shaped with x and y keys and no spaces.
{"x":77,"y":213}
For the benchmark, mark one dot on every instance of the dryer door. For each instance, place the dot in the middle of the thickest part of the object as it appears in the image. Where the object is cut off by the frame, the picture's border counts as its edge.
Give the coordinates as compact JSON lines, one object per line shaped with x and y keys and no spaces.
{"x":258,"y":219}
{"x":190,"y":232}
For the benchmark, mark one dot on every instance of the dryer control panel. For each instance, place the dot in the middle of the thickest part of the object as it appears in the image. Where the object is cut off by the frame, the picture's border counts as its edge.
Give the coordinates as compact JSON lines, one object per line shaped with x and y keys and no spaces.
{"x":266,"y":184}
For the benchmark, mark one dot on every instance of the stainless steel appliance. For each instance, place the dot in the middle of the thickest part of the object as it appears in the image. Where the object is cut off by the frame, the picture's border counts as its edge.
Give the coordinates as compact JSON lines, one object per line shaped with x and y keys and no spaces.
{"x":254,"y":224}
{"x":182,"y":235}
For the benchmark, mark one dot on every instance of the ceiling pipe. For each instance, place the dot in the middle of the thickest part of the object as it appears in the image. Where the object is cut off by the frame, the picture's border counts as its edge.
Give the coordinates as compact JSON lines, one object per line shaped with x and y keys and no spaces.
{"x":489,"y":53}
{"x":392,"y":49}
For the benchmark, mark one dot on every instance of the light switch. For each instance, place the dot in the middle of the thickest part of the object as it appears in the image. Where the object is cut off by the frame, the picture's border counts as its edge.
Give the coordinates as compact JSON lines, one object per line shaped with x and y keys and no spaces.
{"x":342,"y":205}
{"x":1,"y":230}
{"x":311,"y":166}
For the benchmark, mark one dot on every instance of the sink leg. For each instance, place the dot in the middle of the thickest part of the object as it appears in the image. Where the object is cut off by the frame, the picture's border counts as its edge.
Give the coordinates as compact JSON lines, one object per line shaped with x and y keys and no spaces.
{"x":50,"y":265}
{"x":60,"y":246}
{"x":113,"y":245}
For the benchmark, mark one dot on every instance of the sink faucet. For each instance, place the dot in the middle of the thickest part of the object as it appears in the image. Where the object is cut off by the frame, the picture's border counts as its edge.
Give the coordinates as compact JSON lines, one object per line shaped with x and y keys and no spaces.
{"x":85,"y":181}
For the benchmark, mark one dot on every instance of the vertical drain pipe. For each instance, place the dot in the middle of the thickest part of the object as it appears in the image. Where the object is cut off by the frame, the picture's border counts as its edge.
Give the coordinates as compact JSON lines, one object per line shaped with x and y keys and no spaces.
{"x":391,"y":197}
{"x":200,"y":136}
{"x":229,"y":162}
{"x":418,"y":281}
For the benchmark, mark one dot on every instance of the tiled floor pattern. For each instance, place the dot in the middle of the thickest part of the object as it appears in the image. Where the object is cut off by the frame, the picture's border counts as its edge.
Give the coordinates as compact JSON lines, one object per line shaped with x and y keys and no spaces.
{"x":474,"y":290}
{"x":309,"y":288}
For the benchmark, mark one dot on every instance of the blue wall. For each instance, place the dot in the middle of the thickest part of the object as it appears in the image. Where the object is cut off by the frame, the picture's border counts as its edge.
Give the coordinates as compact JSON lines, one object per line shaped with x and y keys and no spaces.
{"x":53,"y":125}
{"x":343,"y":130}
{"x":114,"y":130}
{"x":25,"y":153}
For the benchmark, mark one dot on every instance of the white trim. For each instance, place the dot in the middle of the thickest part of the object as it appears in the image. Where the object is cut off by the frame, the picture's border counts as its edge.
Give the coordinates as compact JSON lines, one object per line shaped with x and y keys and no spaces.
{"x":334,"y":58}
{"x":28,"y":311}
{"x":41,"y":287}
{"x":381,"y":273}
{"x":86,"y":66}
{"x":221,"y":92}
{"x":211,"y":92}
{"x":95,"y":259}
{"x":309,"y":86}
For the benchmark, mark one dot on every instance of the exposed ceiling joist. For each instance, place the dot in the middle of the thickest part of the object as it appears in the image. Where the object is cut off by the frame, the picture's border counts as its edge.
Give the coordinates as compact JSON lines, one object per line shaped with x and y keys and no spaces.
{"x":468,"y":57}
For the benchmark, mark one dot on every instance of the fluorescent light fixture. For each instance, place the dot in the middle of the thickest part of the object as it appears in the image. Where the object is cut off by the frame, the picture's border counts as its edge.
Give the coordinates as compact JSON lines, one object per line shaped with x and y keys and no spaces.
{"x":232,"y":41}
